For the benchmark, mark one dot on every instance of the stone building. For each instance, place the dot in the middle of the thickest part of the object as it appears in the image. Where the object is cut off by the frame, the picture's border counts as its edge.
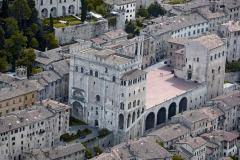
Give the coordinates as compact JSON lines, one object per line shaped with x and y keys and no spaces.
{"x":221,"y":143}
{"x":200,"y":121}
{"x":127,"y":6}
{"x":231,"y":7}
{"x":57,"y":8}
{"x":107,"y":90}
{"x":206,"y":65}
{"x":229,"y":105}
{"x":16,"y":94}
{"x":192,"y":148}
{"x":72,"y":151}
{"x":170,"y":134}
{"x":231,"y":31}
{"x":142,"y":46}
{"x":165,"y":28}
{"x":34,"y":128}
{"x":143,"y":148}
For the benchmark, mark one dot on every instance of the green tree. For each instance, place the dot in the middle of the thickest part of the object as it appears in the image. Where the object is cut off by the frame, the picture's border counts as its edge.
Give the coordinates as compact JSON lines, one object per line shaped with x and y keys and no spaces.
{"x":101,"y":10}
{"x":84,"y":11}
{"x":142,"y":12}
{"x":177,"y":157}
{"x":34,"y":13}
{"x":2,"y":38}
{"x":130,"y":27}
{"x":51,"y":41}
{"x":14,"y":46}
{"x":4,"y":10}
{"x":155,"y":9}
{"x":22,"y":12}
{"x":3,"y":64}
{"x":10,"y":27}
{"x":27,"y":59}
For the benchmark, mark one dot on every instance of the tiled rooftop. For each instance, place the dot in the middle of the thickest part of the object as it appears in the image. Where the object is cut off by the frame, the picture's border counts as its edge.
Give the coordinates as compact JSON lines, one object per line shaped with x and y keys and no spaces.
{"x":170,"y":132}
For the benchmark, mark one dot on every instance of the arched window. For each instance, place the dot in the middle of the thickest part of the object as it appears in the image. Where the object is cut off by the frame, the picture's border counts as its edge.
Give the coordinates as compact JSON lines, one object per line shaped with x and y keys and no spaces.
{"x":219,"y":69}
{"x":134,"y":103}
{"x":138,"y":102}
{"x":122,"y":105}
{"x":133,"y":117}
{"x":82,"y":70}
{"x":114,"y":79}
{"x":97,"y":98}
{"x":96,"y":73}
{"x":129,"y":105}
{"x":91,"y":72}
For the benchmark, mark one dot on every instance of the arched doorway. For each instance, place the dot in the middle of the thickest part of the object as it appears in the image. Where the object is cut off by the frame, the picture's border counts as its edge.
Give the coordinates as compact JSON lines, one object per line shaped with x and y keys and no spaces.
{"x":63,"y":11}
{"x":71,"y":9}
{"x":53,"y":12}
{"x":120,"y":121}
{"x":44,"y":13}
{"x":78,"y":110}
{"x":150,"y":121}
{"x":161,"y":116}
{"x":183,"y":105}
{"x":129,"y":120}
{"x":172,"y":110}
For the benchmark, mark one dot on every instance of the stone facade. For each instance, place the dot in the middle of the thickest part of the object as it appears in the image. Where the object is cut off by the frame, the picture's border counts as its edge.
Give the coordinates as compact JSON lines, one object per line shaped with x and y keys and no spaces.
{"x":126,"y":6}
{"x":231,"y":31}
{"x":84,"y":31}
{"x":107,"y":90}
{"x":57,"y":8}
{"x":35,"y":128}
{"x":206,"y":65}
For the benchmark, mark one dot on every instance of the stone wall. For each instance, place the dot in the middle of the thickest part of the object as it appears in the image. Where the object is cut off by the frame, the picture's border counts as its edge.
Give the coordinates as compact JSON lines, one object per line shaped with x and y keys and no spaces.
{"x":232,"y":77}
{"x":83,"y":31}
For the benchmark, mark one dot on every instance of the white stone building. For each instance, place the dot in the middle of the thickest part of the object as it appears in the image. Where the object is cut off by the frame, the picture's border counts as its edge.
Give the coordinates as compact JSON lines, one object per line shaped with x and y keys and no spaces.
{"x":107,"y":90}
{"x":57,"y":8}
{"x":231,"y":31}
{"x":128,"y":6}
{"x":206,"y":65}
{"x":37,"y":127}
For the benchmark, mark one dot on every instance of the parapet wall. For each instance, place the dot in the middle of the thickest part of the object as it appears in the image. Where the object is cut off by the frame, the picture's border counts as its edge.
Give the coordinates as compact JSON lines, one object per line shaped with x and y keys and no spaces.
{"x":84,"y":31}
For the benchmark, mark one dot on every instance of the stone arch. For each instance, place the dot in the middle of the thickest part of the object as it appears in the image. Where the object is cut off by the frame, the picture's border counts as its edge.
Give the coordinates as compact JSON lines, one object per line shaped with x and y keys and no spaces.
{"x":183,"y":105}
{"x":53,"y":12}
{"x":172,"y":110}
{"x":161,"y":116}
{"x":78,"y":109}
{"x":120,"y":121}
{"x":71,"y":9}
{"x":44,"y":13}
{"x":133,"y":117}
{"x":128,"y":120}
{"x":150,"y":120}
{"x":63,"y":11}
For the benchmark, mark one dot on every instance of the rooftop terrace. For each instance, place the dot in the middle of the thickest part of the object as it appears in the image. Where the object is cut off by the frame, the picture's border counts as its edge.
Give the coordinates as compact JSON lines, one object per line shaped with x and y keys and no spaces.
{"x":162,"y":86}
